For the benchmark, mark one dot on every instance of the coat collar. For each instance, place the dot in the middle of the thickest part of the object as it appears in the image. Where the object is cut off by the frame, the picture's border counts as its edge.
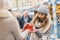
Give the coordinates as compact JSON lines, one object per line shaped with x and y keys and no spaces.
{"x":4,"y":13}
{"x":28,"y":18}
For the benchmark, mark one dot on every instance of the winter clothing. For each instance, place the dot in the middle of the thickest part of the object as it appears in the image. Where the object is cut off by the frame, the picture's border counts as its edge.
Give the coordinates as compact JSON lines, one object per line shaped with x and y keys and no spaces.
{"x":41,"y":32}
{"x":43,"y":9}
{"x":9,"y":27}
{"x":45,"y":29}
{"x":22,"y":22}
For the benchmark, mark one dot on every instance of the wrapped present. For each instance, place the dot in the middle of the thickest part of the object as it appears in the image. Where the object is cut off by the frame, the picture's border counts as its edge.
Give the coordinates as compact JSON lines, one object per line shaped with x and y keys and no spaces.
{"x":28,"y":26}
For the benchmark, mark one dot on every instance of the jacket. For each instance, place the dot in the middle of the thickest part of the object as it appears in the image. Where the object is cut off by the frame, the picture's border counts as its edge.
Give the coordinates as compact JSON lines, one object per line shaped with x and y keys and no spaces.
{"x":22,"y":22}
{"x":43,"y":32}
{"x":9,"y":27}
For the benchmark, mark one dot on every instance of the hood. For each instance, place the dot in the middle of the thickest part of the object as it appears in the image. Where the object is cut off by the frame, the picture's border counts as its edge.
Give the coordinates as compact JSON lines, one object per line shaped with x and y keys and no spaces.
{"x":5,"y":14}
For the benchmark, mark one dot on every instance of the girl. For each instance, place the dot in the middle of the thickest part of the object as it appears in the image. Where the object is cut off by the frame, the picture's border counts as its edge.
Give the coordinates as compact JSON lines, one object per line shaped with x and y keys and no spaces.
{"x":41,"y":22}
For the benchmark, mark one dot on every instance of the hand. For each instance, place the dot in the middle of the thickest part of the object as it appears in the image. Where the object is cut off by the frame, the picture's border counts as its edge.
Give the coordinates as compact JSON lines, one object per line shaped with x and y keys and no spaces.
{"x":34,"y":30}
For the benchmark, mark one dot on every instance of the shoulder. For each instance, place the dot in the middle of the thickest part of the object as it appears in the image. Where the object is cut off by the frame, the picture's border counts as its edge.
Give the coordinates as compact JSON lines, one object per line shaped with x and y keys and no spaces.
{"x":29,"y":17}
{"x":5,"y":13}
{"x":21,"y":18}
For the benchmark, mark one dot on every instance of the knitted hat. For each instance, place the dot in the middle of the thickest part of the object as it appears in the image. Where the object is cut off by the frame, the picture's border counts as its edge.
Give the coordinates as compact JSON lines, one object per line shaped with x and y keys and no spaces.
{"x":43,"y":9}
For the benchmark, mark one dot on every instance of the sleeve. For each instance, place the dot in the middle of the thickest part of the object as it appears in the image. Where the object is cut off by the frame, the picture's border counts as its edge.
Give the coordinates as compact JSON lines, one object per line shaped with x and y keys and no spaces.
{"x":15,"y":29}
{"x":20,"y":22}
{"x":39,"y":34}
{"x":31,"y":38}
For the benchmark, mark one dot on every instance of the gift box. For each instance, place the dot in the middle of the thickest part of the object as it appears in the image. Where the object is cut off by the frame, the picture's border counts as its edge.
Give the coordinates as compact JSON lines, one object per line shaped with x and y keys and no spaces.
{"x":28,"y":26}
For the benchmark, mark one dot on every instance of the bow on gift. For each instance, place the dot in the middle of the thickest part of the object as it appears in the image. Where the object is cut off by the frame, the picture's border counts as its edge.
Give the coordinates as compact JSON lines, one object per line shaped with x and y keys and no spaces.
{"x":28,"y":26}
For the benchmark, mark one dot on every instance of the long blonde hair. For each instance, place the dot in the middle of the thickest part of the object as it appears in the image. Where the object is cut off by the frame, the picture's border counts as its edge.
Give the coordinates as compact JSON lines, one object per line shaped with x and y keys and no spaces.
{"x":46,"y":26}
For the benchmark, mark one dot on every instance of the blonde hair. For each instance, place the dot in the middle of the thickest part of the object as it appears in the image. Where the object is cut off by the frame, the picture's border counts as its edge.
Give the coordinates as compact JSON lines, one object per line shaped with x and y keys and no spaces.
{"x":46,"y":26}
{"x":34,"y":19}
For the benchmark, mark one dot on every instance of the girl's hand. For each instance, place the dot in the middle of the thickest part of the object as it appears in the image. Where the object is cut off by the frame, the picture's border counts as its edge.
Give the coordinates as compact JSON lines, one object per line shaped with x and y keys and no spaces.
{"x":34,"y":30}
{"x":28,"y":26}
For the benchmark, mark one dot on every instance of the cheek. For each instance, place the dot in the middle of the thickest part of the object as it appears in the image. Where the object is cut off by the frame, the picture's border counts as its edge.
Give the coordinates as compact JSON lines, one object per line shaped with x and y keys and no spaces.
{"x":42,"y":16}
{"x":39,"y":16}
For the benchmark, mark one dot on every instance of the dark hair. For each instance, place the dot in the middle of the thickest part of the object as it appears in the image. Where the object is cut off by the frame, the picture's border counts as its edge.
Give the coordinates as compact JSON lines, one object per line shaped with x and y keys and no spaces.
{"x":42,"y":13}
{"x":10,"y":10}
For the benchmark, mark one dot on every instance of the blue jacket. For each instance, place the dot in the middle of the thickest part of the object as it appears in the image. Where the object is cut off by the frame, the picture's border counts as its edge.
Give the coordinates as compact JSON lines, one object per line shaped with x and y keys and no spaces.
{"x":21,"y":21}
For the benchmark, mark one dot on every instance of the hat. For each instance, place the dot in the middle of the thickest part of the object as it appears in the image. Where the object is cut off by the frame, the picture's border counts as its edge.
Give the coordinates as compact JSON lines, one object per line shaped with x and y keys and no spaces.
{"x":46,"y":3}
{"x":43,"y":9}
{"x":33,"y":9}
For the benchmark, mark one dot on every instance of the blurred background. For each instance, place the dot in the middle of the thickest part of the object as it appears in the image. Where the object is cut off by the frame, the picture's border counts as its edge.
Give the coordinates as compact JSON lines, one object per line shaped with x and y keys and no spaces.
{"x":18,"y":6}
